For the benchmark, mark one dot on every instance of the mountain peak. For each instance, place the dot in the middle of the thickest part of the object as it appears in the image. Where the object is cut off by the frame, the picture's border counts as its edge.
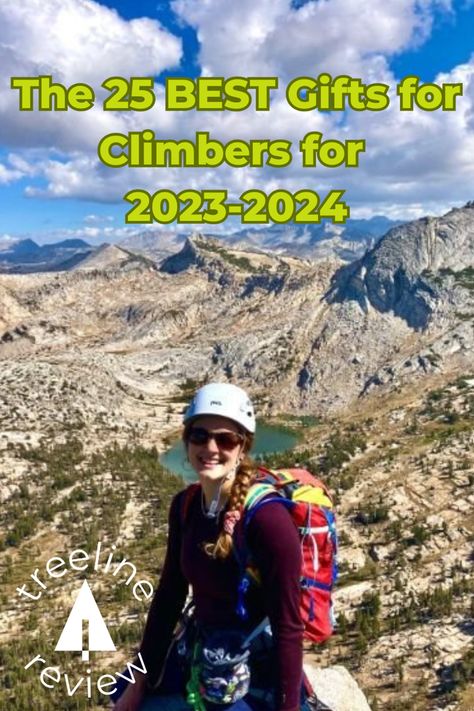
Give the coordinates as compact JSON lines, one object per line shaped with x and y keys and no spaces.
{"x":187,"y":257}
{"x":206,"y":253}
{"x":395,"y":275}
{"x":110,"y":256}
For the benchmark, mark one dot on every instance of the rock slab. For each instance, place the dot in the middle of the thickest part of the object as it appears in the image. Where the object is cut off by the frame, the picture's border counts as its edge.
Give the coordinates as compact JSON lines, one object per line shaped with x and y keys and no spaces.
{"x":336,"y":688}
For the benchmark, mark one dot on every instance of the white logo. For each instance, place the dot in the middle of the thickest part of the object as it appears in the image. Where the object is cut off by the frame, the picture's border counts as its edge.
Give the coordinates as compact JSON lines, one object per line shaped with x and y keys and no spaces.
{"x":85,"y":630}
{"x":97,"y":637}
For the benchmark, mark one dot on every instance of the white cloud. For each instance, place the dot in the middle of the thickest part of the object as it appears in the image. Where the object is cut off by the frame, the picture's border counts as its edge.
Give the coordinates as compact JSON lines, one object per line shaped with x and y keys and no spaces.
{"x":74,"y":41}
{"x":270,"y":38}
{"x":97,"y":219}
{"x":7,"y":175}
{"x":13,"y":170}
{"x":81,"y":40}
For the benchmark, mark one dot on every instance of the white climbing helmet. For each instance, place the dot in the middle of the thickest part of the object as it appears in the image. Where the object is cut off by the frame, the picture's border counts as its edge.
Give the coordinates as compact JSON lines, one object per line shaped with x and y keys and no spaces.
{"x":225,"y":400}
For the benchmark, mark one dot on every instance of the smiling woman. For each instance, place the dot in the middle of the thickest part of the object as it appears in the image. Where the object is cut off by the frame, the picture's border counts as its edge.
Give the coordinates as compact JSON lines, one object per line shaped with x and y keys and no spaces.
{"x":237,"y":649}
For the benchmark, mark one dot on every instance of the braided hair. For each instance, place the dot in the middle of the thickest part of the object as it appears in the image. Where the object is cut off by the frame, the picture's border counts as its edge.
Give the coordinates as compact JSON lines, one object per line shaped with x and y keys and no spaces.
{"x":243,"y":480}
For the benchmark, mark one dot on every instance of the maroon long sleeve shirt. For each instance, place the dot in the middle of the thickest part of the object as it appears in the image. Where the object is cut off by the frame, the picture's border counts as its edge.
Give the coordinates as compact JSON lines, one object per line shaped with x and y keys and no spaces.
{"x":275,"y":548}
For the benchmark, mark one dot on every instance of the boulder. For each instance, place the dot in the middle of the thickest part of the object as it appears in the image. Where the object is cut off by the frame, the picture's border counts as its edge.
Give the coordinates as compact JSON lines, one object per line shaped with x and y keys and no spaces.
{"x":336,"y":688}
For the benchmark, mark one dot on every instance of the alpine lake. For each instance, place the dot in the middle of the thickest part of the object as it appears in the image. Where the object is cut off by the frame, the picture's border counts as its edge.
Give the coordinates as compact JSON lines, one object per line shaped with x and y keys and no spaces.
{"x":269,"y":439}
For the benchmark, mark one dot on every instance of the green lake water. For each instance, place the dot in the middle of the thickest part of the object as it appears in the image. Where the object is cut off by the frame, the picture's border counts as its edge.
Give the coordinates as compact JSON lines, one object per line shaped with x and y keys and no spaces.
{"x":268,"y":440}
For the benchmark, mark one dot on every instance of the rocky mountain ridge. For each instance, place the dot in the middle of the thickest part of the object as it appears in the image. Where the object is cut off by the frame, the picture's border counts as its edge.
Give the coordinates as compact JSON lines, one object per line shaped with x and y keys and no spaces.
{"x":305,"y":336}
{"x":415,"y":287}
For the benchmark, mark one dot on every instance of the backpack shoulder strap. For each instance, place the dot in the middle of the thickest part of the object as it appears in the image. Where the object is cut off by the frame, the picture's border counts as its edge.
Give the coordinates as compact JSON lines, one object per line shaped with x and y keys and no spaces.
{"x":256,"y":493}
{"x":187,"y":497}
{"x":259,"y":495}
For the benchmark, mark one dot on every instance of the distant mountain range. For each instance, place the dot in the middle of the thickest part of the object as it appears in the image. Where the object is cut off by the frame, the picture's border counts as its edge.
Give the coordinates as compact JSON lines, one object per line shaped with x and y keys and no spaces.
{"x":325,"y":241}
{"x":26,"y":257}
{"x":347,"y":242}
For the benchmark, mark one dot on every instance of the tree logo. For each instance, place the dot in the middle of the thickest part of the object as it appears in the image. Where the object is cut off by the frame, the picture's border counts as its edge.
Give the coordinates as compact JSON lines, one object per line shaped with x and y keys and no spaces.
{"x":85,"y":630}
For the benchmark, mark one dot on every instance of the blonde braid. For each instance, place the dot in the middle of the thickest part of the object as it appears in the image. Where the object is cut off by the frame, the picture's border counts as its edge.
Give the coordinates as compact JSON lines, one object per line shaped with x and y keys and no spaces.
{"x":243,"y":480}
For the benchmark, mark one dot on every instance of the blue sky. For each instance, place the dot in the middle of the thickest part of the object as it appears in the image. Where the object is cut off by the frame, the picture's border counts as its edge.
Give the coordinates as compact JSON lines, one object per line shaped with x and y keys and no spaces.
{"x":450,"y":43}
{"x":53,"y":186}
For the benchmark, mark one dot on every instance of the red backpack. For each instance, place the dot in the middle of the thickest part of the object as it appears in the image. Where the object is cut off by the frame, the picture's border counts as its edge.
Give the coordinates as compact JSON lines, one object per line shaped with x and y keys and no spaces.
{"x":311,"y":508}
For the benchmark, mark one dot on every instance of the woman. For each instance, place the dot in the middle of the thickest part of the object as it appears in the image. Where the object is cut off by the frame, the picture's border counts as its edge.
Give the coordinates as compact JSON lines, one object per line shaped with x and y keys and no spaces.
{"x":219,"y":426}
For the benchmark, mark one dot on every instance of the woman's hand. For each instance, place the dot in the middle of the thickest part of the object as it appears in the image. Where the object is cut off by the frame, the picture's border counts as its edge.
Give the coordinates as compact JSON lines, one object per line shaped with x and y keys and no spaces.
{"x":132,"y":697}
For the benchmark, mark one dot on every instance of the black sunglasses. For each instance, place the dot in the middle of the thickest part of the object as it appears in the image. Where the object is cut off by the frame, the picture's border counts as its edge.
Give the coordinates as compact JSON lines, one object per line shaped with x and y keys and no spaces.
{"x":224,"y":440}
